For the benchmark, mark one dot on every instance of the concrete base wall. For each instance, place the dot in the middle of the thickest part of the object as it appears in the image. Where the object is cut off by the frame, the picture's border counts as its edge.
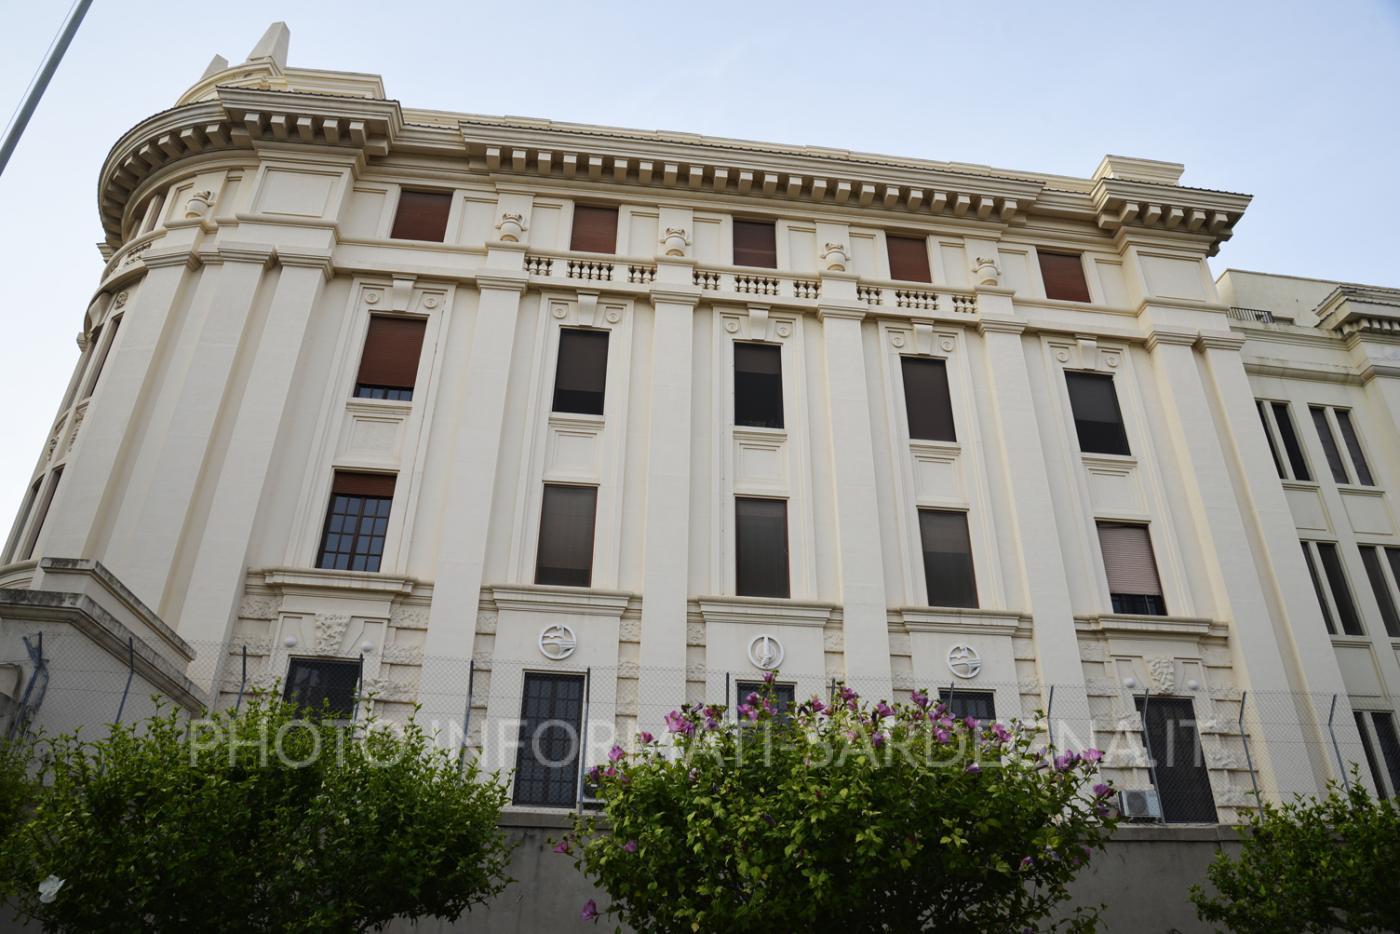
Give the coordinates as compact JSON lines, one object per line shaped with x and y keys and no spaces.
{"x":1143,"y":878}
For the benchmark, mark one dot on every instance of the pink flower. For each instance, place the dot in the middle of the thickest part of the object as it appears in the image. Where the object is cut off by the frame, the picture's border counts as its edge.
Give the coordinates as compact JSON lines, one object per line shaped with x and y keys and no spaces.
{"x":610,"y":772}
{"x":769,"y":677}
{"x":1102,"y":791}
{"x":817,"y":705}
{"x":1092,"y":755}
{"x":594,"y":772}
{"x":1065,"y":761}
{"x":878,"y":739}
{"x":942,"y":735}
{"x":676,"y":722}
{"x":562,"y":847}
{"x":1027,"y":862}
{"x":970,"y":722}
{"x":590,"y":911}
{"x":711,"y":723}
{"x":884,"y":709}
{"x":749,"y":713}
{"x":615,"y":753}
{"x":920,"y":699}
{"x":630,"y":846}
{"x":973,"y":769}
{"x":1002,"y":734}
{"x":646,"y":737}
{"x":752,"y":698}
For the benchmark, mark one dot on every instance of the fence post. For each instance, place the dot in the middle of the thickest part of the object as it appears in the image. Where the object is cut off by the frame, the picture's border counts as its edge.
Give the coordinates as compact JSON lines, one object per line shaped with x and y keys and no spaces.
{"x":467,"y":714}
{"x":130,"y":673}
{"x":583,"y":737}
{"x":1147,"y":741}
{"x":1049,"y":715}
{"x":24,"y":714}
{"x":1336,"y":748}
{"x":242,"y":681}
{"x":1248,"y":759}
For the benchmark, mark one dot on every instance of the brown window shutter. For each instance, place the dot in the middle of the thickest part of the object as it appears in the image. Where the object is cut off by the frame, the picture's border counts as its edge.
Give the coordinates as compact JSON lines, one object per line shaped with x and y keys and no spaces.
{"x":1063,"y":274}
{"x":1128,"y":559}
{"x":908,"y":259}
{"x":755,"y":244}
{"x":348,"y":483}
{"x":392,"y":349}
{"x":595,"y":229}
{"x":422,"y":215}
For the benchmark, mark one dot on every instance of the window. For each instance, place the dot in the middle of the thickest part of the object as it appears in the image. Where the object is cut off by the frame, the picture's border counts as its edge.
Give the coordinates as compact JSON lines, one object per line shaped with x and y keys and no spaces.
{"x":758,"y":385}
{"x":551,"y":718}
{"x":322,"y":684}
{"x":761,"y":547}
{"x":595,"y":229}
{"x":389,"y":360}
{"x":422,"y":215}
{"x":948,"y":572}
{"x":1353,"y":443}
{"x":1368,"y":749}
{"x":1131,"y":568}
{"x":1278,"y":426}
{"x":755,"y":244}
{"x":565,"y":553}
{"x":1097,"y":418}
{"x":926,"y":399}
{"x":1371,"y":556}
{"x":908,"y":258}
{"x":43,"y":514}
{"x":103,"y":350}
{"x":1063,"y":274}
{"x":979,"y":705}
{"x":356,"y":521}
{"x":784,"y":695}
{"x":581,"y":372}
{"x":1382,"y":724}
{"x":1336,"y":601}
{"x":20,"y":520}
{"x":1317,"y":589}
{"x":1322,"y":418}
{"x":1179,"y":768}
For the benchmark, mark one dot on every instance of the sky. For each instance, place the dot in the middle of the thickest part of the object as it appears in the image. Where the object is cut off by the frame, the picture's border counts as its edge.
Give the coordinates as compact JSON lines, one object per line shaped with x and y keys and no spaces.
{"x":1295,"y":103}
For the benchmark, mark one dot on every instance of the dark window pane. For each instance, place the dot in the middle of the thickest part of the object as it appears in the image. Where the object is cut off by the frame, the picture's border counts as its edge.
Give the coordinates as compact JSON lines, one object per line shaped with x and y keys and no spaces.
{"x":1329,"y":445}
{"x":43,"y":514}
{"x":1341,"y":593}
{"x":1131,"y":569}
{"x":755,"y":244}
{"x":565,"y":554}
{"x":908,"y":259}
{"x":422,"y":215}
{"x":103,"y":351}
{"x":1358,"y":457}
{"x":1317,"y":588}
{"x":1063,"y":274}
{"x":1180,"y":769}
{"x":979,"y":705}
{"x":948,"y":571}
{"x":761,"y":547}
{"x":926,"y":399}
{"x":582,"y":371}
{"x":1371,"y":558}
{"x":319,"y":684}
{"x":1269,"y":436}
{"x":758,"y":386}
{"x":1370,"y":752}
{"x":1140,"y":604}
{"x":784,"y":695}
{"x":595,"y":229}
{"x":1386,"y":738}
{"x":389,"y":361}
{"x":547,"y":761}
{"x":1097,"y":418}
{"x":1290,"y":441}
{"x":353,"y":540}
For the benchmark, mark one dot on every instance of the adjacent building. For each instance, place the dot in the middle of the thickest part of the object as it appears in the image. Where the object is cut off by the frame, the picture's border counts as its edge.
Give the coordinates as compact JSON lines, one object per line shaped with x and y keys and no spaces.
{"x":526,"y":421}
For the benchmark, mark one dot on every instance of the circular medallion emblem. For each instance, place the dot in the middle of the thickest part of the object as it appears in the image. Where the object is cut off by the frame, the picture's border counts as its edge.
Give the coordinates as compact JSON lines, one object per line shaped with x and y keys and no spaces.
{"x":964,"y":661}
{"x":766,"y":652}
{"x":557,"y":642}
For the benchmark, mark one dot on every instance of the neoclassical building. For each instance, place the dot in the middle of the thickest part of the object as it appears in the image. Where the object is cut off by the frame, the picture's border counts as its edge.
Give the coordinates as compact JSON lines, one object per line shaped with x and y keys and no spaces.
{"x":522,"y":420}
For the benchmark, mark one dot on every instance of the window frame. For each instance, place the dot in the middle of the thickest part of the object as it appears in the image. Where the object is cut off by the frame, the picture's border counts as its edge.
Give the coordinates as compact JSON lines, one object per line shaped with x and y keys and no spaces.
{"x":540,"y":575}
{"x":593,"y":209}
{"x":1124,"y":602}
{"x":526,"y":746}
{"x":370,"y":556}
{"x":926,"y":266}
{"x":1071,"y":377}
{"x":1382,"y":752}
{"x":351,"y":709}
{"x":389,"y":390}
{"x":971,"y":584}
{"x":786,"y":538}
{"x":1331,"y":605}
{"x":1045,"y":280}
{"x":1291,"y":461}
{"x":781,"y":402}
{"x":933,"y":363}
{"x":1383,"y":574}
{"x":753,"y":222}
{"x":448,"y":194}
{"x":567,"y":337}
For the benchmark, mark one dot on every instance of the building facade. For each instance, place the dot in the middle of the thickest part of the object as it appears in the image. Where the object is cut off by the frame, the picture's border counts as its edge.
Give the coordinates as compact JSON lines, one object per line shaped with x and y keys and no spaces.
{"x":525,"y":421}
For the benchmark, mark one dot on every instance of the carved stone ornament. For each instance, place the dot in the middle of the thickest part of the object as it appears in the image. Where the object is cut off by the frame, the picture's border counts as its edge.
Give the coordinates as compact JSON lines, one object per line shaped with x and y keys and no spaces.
{"x":511,"y":227}
{"x":198,"y":204}
{"x":1162,"y":670}
{"x":835,"y":257}
{"x":557,"y":642}
{"x":986,"y":271}
{"x":674,"y":240}
{"x":330,"y":632}
{"x":766,"y":652}
{"x":964,"y":661}
{"x":120,"y":300}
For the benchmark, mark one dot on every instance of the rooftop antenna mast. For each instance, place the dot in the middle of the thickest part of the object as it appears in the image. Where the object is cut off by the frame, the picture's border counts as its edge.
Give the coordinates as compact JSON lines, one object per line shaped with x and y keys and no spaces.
{"x":41,"y":81}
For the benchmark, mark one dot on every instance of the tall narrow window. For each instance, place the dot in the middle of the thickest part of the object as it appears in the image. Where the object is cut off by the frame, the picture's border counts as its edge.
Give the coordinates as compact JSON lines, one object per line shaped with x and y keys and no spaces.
{"x":43,"y":514}
{"x":1386,"y":738}
{"x":758,"y":385}
{"x":422,"y":215}
{"x":1063,"y":274}
{"x":926,"y":399}
{"x":1296,"y":467}
{"x":1097,"y":419}
{"x":755,"y":244}
{"x":551,"y":720}
{"x":979,"y":705}
{"x":1179,"y":767}
{"x":30,"y":498}
{"x":595,"y":229}
{"x":1369,"y":751}
{"x":565,"y":554}
{"x":908,"y":258}
{"x":1375,"y":571}
{"x":1317,"y":589}
{"x":761,"y":547}
{"x":1353,"y":443}
{"x":1260,"y":405}
{"x":322,"y":685}
{"x":1131,"y":567}
{"x":356,"y":522}
{"x":104,"y":349}
{"x":1337,"y":583}
{"x":581,"y":372}
{"x":1329,"y":444}
{"x":948,"y":571}
{"x":389,"y":360}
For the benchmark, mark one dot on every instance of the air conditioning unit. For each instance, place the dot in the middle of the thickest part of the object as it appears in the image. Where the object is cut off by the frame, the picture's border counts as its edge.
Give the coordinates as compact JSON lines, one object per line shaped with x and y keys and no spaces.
{"x":1140,"y":804}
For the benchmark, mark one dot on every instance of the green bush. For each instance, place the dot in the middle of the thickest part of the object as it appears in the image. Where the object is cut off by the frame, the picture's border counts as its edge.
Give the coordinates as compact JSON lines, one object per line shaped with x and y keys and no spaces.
{"x":16,"y":788}
{"x":259,"y":821}
{"x":839,"y":817}
{"x":1311,"y":866}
